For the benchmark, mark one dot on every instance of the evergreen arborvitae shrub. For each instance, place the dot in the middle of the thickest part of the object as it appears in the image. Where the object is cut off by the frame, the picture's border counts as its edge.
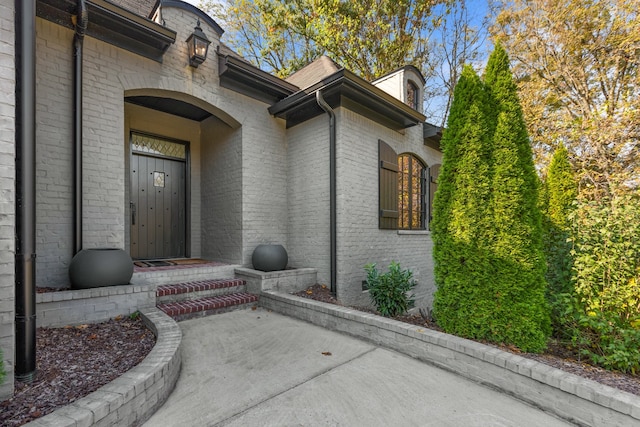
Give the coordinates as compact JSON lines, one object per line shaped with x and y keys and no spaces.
{"x":518,"y":291}
{"x":489,"y":262}
{"x":459,"y":226}
{"x":561,"y":191}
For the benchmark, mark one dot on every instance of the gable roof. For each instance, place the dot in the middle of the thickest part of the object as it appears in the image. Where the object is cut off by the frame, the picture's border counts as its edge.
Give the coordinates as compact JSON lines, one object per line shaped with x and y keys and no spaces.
{"x":314,"y":72}
{"x":346,"y":89}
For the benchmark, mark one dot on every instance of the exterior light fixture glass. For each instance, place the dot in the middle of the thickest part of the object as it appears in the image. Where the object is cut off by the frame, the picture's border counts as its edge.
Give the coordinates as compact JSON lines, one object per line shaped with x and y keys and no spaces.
{"x":197,"y":44}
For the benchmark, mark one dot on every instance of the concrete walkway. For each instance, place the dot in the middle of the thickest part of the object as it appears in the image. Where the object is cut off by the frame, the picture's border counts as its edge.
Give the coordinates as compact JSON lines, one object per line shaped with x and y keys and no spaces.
{"x":259,"y":368}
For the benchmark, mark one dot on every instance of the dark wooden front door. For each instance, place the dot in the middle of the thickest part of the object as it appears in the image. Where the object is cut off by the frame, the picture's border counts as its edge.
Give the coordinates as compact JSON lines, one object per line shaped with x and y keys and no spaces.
{"x":158,"y":198}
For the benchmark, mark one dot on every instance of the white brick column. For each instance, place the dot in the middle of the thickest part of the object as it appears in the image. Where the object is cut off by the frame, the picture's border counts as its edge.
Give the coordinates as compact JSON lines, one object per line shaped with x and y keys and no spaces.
{"x":7,"y":193}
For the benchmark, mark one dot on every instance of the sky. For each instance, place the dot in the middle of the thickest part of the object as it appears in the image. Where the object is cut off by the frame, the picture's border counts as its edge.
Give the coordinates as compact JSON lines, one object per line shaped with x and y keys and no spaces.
{"x":193,"y":2}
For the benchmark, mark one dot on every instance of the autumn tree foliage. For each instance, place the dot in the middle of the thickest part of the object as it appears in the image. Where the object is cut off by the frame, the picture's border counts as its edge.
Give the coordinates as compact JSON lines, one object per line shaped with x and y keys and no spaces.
{"x":577,"y":66}
{"x":487,"y":225}
{"x":369,"y":37}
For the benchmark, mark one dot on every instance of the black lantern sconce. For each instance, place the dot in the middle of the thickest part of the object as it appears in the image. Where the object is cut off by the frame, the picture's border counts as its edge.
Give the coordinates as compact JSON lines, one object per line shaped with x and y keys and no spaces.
{"x":198,"y":44}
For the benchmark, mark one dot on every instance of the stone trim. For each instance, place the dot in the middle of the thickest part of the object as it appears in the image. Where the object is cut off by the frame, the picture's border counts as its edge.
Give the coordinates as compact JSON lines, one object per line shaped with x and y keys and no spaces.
{"x":573,"y":398}
{"x":133,"y":397}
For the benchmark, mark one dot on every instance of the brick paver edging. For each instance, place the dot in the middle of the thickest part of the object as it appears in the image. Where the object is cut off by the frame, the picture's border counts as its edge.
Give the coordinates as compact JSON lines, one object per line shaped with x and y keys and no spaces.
{"x":133,"y":397}
{"x":573,"y":398}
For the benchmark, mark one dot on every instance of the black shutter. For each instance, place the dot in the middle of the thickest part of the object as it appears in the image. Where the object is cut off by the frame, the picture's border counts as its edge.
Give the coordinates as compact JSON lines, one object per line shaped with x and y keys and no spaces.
{"x":388,"y":163}
{"x":434,"y":171}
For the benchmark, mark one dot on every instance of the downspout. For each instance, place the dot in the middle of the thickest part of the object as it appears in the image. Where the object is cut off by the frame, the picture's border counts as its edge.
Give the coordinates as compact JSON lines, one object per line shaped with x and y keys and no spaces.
{"x":25,"y":264}
{"x":81,"y":21}
{"x":332,"y":187}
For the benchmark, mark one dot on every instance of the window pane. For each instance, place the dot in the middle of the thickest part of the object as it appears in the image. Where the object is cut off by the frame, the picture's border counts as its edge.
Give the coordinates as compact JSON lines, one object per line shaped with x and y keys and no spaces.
{"x":150,"y":145}
{"x":410,"y":193}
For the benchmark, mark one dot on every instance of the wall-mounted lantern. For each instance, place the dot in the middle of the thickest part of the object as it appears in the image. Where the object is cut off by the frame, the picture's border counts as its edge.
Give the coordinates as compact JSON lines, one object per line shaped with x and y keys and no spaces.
{"x":197,"y":44}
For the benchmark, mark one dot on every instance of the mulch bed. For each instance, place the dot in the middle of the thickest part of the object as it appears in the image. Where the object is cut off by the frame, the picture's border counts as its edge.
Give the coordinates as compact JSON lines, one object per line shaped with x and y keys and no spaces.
{"x":75,"y":361}
{"x":557,"y":355}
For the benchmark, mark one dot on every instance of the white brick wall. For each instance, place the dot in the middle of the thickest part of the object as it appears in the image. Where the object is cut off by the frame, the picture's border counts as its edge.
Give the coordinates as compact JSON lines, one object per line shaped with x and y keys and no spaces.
{"x":54,"y":145}
{"x":58,"y":309}
{"x":141,"y":7}
{"x":221,"y":192}
{"x":393,"y":84}
{"x":7,"y":193}
{"x":359,"y":239}
{"x":308,"y":196}
{"x":264,"y":181}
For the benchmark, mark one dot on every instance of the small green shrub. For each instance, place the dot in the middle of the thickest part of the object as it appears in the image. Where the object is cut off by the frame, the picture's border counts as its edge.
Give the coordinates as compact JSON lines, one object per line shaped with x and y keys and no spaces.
{"x":610,"y":344}
{"x":390,"y":291}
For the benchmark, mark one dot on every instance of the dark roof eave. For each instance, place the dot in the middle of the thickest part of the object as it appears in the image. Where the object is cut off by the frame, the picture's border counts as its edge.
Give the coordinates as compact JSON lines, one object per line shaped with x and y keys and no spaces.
{"x":364,"y":98}
{"x":242,"y":77}
{"x":432,"y":135}
{"x":114,"y":25}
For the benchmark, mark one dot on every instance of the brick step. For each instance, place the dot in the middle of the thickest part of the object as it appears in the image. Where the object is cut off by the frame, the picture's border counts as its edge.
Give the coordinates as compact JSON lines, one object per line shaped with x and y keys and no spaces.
{"x":183,"y":310}
{"x":197,"y":290}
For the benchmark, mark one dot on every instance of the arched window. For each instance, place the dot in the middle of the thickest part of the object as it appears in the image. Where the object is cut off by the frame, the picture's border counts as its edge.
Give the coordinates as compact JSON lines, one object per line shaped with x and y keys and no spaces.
{"x":412,"y":188}
{"x":412,"y":95}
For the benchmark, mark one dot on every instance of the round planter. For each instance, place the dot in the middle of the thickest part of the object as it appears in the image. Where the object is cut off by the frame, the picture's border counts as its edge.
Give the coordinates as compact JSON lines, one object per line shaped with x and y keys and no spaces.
{"x":269,"y":258}
{"x":94,"y":268}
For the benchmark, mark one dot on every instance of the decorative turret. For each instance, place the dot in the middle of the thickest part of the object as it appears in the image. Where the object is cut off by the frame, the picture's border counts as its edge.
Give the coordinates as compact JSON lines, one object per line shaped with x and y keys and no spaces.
{"x":406,"y":84}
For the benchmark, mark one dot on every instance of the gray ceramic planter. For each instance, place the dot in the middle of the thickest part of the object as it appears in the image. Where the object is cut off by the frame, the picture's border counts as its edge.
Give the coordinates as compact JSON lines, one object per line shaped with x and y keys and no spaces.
{"x":94,"y":268}
{"x":269,"y":258}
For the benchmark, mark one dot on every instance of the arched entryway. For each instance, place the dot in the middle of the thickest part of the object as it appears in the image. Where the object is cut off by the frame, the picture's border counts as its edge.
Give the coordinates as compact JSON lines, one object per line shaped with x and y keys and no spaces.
{"x":167,"y":141}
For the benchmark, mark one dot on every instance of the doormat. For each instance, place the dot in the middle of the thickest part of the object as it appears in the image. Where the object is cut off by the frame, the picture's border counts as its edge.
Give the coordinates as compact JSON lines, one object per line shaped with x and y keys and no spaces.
{"x":170,"y":262}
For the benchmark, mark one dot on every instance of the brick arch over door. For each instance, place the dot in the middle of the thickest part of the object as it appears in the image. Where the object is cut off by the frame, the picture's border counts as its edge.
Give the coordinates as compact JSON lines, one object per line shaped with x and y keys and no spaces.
{"x":172,"y":95}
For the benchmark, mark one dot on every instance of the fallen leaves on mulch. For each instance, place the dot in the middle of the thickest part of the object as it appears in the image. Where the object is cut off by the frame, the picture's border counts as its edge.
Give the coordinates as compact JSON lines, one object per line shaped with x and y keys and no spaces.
{"x":556,"y":355}
{"x":74,"y":361}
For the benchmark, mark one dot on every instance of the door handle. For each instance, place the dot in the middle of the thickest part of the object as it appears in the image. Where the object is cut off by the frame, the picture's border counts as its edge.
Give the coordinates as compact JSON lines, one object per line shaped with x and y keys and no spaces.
{"x":133,"y":213}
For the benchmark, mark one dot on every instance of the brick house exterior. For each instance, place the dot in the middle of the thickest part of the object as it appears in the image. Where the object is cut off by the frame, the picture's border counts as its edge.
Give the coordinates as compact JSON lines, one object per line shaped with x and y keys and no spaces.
{"x":257,"y":150}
